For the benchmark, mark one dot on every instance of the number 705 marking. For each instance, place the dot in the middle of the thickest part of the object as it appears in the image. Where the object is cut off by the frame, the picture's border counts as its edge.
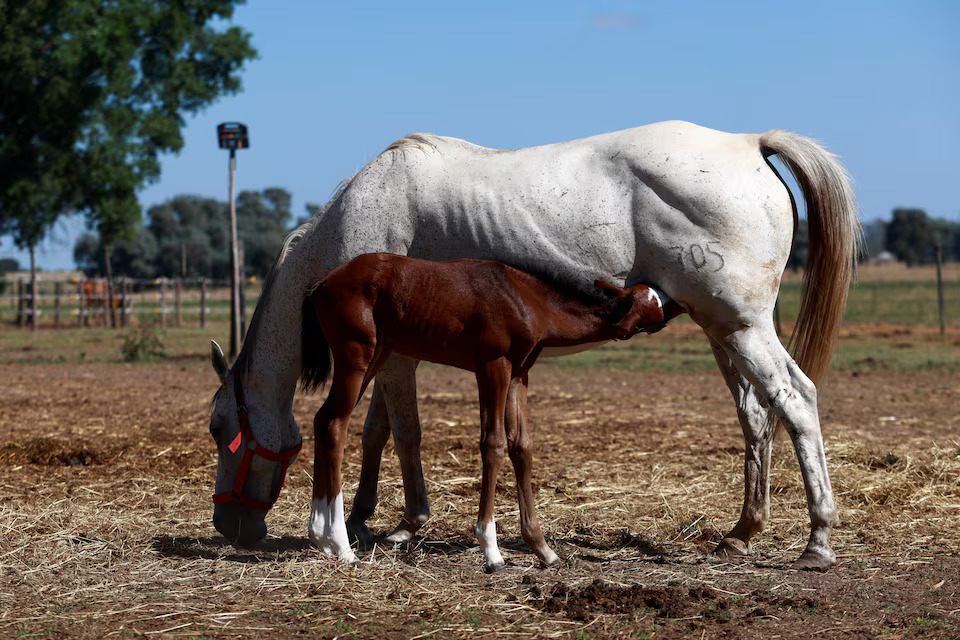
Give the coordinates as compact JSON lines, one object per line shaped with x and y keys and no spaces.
{"x":699,"y":257}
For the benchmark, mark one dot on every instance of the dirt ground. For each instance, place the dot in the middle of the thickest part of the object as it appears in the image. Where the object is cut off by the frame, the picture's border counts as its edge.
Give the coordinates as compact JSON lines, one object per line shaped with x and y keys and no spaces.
{"x":106,"y":472}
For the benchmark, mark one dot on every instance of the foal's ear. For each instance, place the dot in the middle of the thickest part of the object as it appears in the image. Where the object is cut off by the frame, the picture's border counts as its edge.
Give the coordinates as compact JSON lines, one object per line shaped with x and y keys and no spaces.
{"x":219,"y":361}
{"x":603,"y":284}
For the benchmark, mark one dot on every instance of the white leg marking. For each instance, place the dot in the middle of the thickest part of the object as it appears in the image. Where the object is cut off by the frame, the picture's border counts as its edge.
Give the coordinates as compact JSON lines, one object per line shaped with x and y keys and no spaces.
{"x":338,"y":539}
{"x":487,"y":537}
{"x":319,"y":529}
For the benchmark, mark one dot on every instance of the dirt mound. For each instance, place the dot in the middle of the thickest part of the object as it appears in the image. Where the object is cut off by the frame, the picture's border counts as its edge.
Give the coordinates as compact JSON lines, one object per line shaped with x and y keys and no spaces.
{"x":49,"y":452}
{"x":601,"y":596}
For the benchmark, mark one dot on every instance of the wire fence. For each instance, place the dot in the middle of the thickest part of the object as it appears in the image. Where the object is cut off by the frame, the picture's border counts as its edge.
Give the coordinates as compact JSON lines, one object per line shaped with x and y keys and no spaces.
{"x":85,"y":302}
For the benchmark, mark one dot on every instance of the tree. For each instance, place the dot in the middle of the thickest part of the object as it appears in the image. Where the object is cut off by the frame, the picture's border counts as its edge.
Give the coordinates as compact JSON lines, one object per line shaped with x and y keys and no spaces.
{"x":92,"y":92}
{"x":909,"y":236}
{"x":187,"y":235}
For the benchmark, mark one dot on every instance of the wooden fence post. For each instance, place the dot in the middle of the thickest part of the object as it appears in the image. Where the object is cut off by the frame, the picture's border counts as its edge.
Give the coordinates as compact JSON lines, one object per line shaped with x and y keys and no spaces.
{"x":939,"y":253}
{"x":57,"y":291}
{"x":163,"y":302}
{"x":203,"y":303}
{"x":20,"y":301}
{"x":80,"y":302}
{"x":177,"y":300}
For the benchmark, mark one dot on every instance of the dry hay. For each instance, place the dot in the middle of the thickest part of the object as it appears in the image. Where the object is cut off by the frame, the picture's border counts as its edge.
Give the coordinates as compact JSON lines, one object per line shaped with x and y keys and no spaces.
{"x":126,"y":548}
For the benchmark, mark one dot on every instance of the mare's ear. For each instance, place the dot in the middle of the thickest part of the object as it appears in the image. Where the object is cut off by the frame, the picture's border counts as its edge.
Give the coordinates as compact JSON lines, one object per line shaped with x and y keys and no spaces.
{"x":219,"y":362}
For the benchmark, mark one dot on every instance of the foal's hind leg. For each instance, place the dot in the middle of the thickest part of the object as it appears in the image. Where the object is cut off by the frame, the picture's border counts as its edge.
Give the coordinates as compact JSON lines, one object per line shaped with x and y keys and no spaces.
{"x":758,"y":355}
{"x":520,"y":446}
{"x":758,"y":426}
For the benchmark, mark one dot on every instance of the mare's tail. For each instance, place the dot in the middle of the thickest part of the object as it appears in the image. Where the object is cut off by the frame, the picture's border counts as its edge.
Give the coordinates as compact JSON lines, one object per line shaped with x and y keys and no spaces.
{"x":315,"y":358}
{"x":835,"y":238}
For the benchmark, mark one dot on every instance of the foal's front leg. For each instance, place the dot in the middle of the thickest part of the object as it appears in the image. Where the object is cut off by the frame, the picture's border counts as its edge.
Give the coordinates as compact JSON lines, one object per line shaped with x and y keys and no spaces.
{"x":493,"y":381}
{"x":328,"y":529}
{"x":520,"y":446}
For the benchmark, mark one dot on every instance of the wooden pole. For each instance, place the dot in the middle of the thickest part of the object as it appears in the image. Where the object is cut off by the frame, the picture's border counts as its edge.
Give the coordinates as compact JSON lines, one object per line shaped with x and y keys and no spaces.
{"x":234,"y":264}
{"x":939,"y":253}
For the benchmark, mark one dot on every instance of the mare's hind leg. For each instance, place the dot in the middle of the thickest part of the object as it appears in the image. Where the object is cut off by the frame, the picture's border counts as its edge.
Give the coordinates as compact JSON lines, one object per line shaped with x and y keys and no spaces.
{"x":757,"y":354}
{"x":376,"y":432}
{"x":758,"y":426}
{"x":520,"y":447}
{"x":399,"y":381}
{"x":493,"y":381}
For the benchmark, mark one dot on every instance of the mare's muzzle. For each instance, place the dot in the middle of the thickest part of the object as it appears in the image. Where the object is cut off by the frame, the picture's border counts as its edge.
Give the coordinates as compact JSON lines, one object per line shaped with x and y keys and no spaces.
{"x":235,"y":515}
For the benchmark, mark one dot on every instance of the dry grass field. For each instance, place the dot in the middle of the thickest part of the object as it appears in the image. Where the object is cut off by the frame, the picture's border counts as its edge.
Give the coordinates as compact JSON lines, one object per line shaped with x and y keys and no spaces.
{"x":106,"y":471}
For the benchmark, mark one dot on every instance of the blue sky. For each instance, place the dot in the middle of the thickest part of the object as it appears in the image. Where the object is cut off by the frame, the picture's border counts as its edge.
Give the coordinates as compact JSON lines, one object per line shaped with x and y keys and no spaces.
{"x":877,"y":82}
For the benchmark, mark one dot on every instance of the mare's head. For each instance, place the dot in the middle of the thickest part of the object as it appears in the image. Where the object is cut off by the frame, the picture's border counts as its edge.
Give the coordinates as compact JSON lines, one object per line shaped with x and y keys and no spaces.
{"x":639,"y":308}
{"x":254,"y":448}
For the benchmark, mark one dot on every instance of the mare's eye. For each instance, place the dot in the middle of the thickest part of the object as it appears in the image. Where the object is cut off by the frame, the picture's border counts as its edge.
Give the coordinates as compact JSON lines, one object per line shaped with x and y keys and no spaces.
{"x":215,"y":433}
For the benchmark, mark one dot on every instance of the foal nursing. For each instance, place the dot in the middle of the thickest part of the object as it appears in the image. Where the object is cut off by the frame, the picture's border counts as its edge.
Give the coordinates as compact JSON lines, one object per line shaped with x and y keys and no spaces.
{"x":481,"y":316}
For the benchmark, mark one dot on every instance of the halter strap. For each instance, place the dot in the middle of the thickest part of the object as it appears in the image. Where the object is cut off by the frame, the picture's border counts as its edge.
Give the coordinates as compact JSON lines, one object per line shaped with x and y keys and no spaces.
{"x":251,"y":449}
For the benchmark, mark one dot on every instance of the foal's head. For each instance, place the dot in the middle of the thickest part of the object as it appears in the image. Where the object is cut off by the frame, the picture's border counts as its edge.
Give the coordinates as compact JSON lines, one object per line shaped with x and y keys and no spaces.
{"x":636,"y":309}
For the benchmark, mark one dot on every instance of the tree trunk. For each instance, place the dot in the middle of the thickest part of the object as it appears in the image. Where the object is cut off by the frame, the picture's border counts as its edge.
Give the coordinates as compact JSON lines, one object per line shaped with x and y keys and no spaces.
{"x":109,"y":270}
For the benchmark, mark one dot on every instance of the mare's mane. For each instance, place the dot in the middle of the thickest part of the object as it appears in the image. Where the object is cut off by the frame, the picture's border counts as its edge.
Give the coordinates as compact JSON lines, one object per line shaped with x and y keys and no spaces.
{"x":242,"y":363}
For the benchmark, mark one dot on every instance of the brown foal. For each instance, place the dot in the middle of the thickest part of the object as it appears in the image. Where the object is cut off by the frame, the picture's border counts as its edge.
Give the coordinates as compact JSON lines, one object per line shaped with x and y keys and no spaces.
{"x":481,"y":316}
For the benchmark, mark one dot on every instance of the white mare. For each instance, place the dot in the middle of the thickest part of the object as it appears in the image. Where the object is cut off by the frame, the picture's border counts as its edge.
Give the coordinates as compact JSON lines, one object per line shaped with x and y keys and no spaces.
{"x":698,"y":213}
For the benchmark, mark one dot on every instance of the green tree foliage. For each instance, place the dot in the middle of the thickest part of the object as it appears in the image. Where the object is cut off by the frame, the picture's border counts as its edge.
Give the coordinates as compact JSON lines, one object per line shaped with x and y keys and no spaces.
{"x":92,"y":92}
{"x":909,"y":236}
{"x":193,"y":232}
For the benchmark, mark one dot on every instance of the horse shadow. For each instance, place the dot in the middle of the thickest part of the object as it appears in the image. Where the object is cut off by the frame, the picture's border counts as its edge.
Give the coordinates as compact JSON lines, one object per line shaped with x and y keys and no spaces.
{"x":220,"y":548}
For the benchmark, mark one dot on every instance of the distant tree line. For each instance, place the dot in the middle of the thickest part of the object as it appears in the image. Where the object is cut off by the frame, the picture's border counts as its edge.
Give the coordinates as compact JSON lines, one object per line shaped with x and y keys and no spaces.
{"x":910,"y":235}
{"x":190,"y":236}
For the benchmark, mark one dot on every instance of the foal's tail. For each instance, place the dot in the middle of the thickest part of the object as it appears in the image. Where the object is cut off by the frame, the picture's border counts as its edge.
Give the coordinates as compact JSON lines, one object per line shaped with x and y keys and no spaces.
{"x":315,"y":357}
{"x":835,"y":239}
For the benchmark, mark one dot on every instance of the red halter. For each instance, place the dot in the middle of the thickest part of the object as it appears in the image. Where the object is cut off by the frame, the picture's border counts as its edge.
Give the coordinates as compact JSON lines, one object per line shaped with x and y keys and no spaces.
{"x":252,"y":449}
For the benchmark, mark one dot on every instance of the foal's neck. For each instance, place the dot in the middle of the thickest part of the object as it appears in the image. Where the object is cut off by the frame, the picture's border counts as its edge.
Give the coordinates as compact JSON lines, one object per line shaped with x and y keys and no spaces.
{"x":573,"y":322}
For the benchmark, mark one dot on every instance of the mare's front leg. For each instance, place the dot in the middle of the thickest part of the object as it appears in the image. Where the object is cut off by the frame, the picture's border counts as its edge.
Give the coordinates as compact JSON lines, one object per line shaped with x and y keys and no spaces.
{"x":520,"y":446}
{"x":328,"y":528}
{"x":493,"y":382}
{"x":757,"y":424}
{"x":393,"y":407}
{"x":399,"y":380}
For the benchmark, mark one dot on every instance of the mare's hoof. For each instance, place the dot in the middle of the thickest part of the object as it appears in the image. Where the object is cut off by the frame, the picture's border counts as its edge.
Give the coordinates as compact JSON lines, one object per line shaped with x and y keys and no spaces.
{"x":730,"y":548}
{"x":815,"y":561}
{"x":399,"y":536}
{"x":361,"y":533}
{"x":493,"y":568}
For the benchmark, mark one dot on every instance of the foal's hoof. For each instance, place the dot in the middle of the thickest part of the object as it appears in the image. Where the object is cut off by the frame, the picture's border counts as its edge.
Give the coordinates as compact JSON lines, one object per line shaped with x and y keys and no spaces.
{"x":493,"y":568}
{"x":812,"y":560}
{"x":730,"y":548}
{"x":549,"y":559}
